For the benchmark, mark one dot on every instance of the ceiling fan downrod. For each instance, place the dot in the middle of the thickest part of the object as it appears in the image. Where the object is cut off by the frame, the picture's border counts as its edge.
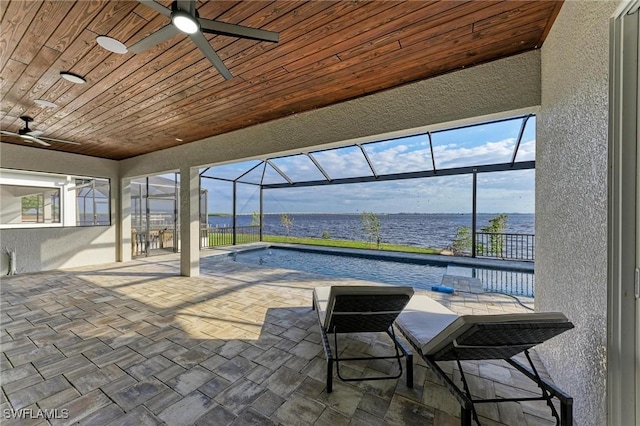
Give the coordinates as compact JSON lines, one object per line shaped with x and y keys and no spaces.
{"x":26,"y":129}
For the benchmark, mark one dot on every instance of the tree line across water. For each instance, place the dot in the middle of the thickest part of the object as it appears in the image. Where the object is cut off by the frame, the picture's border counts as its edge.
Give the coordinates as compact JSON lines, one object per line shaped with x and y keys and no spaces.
{"x":371,"y":227}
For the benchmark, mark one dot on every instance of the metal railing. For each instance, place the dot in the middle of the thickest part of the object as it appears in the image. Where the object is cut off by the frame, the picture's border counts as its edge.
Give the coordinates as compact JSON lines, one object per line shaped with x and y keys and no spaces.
{"x":505,"y":246}
{"x":161,"y":238}
{"x":517,"y":283}
{"x":492,"y":245}
{"x":226,"y":236}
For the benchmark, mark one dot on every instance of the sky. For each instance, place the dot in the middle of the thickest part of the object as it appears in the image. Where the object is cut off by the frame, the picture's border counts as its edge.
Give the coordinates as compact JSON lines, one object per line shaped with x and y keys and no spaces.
{"x":499,"y":192}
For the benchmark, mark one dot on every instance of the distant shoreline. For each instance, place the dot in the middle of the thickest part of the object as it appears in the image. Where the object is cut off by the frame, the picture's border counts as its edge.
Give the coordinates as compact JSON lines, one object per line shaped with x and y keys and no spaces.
{"x":427,"y":230}
{"x":359,"y":214}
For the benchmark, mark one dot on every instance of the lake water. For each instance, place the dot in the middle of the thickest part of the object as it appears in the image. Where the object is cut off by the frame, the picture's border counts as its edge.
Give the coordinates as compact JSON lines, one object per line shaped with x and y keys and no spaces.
{"x":420,"y":230}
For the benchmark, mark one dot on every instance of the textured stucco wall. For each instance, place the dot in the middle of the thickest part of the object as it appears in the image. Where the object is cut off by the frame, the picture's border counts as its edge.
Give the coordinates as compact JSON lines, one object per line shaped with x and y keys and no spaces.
{"x":41,"y":249}
{"x":493,"y":88}
{"x":571,"y":200}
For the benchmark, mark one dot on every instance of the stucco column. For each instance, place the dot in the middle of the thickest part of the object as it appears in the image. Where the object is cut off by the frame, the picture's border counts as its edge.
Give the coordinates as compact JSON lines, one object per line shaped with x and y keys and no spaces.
{"x":189,"y":221}
{"x":124,"y":252}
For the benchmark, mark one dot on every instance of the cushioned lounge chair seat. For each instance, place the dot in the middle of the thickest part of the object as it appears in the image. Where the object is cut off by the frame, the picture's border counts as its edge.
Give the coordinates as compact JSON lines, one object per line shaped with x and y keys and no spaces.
{"x":423,"y":319}
{"x":432,"y":327}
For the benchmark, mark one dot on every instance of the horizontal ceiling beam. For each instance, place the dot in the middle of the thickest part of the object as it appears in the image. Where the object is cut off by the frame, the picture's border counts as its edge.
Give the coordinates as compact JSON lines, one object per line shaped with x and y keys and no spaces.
{"x":501,"y":167}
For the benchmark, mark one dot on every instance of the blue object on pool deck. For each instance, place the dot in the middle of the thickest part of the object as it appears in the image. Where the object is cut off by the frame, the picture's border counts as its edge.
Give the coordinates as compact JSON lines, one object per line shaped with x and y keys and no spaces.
{"x":442,"y":288}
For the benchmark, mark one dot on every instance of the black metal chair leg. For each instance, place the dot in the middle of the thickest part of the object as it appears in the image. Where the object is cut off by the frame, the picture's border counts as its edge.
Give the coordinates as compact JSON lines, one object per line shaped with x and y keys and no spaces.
{"x":468,"y":392}
{"x":329,"y":375}
{"x":409,"y":364}
{"x":465,"y":417}
{"x":566,"y":413}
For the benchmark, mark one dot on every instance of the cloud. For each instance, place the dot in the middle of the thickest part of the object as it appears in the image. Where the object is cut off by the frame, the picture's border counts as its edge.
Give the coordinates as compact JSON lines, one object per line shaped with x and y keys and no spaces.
{"x":401,"y":159}
{"x":527,"y":151}
{"x":451,"y":155}
{"x":510,"y":192}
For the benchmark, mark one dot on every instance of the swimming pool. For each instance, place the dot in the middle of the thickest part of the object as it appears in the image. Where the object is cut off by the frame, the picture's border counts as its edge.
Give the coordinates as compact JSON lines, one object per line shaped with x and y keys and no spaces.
{"x":400,"y":271}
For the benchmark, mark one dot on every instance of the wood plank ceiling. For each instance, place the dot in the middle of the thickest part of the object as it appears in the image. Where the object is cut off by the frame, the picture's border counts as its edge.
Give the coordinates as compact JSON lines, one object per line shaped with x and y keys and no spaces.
{"x":329,"y":52}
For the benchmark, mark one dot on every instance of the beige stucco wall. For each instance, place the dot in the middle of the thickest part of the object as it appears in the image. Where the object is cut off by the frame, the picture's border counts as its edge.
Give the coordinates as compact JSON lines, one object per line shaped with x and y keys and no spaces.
{"x":486,"y":90}
{"x":40,"y":249}
{"x":571,"y":200}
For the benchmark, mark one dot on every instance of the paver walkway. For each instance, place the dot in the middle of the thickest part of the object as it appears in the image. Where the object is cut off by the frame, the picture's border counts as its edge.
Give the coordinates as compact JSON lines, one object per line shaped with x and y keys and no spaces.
{"x":135,"y":343}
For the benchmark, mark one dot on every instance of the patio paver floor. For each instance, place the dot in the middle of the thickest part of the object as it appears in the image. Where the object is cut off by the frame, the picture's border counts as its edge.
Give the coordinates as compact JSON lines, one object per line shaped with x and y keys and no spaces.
{"x":135,"y":343}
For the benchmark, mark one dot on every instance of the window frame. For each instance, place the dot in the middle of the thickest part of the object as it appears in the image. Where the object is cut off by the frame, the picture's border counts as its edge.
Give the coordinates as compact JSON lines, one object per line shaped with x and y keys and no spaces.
{"x":66,"y":186}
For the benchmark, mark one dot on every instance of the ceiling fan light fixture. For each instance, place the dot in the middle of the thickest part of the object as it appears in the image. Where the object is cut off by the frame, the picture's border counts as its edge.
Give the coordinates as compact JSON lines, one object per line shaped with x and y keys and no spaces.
{"x":74,"y":78}
{"x":185,"y":22}
{"x":111,"y":44}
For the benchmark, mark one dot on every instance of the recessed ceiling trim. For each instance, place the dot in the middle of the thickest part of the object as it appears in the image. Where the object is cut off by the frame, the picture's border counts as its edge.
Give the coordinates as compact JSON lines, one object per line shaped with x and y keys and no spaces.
{"x":112,"y":45}
{"x":73,"y":78}
{"x":45,"y":103}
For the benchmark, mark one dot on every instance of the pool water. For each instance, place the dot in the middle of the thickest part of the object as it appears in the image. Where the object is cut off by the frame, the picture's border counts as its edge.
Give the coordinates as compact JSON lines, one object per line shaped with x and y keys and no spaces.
{"x":418,"y":275}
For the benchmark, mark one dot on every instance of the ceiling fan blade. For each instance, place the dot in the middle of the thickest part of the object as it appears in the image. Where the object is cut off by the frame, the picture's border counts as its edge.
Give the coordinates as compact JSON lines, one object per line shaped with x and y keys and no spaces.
{"x":33,"y":137}
{"x":222,"y":28}
{"x":29,"y":138}
{"x":163,"y":34}
{"x":202,"y":43}
{"x":60,"y":140}
{"x":188,"y":6}
{"x":156,"y":6}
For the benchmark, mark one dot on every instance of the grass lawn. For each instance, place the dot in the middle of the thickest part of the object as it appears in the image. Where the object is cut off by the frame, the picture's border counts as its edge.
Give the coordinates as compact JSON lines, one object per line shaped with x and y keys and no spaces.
{"x":348,"y":244}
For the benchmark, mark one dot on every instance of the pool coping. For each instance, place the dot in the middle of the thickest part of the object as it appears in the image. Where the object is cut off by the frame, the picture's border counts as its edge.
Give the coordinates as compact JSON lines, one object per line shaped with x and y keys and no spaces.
{"x":511,"y":265}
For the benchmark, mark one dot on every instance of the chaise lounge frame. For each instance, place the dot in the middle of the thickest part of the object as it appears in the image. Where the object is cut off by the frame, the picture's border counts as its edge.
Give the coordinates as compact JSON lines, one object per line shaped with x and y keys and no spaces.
{"x":484,"y":337}
{"x":361,"y":309}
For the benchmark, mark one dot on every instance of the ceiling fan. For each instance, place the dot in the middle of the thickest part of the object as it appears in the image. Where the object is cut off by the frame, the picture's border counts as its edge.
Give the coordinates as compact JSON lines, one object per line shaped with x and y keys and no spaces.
{"x":184,"y":18}
{"x":34,"y":135}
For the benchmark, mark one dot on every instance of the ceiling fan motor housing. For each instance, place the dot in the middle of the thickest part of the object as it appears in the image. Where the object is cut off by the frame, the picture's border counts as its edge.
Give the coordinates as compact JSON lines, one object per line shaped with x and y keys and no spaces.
{"x":26,"y":129}
{"x":174,"y":7}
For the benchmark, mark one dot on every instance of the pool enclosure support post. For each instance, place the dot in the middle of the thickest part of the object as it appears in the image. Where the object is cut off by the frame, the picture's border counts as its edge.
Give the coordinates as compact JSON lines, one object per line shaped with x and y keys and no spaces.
{"x":176,"y":211}
{"x":474,"y":212}
{"x":261,"y":211}
{"x":124,"y":225}
{"x":234,"y":212}
{"x":147,"y":215}
{"x":204,"y":214}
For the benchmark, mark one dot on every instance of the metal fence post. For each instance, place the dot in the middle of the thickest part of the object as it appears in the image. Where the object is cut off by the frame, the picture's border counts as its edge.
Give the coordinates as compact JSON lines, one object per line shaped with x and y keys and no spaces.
{"x":474,"y":212}
{"x":261,"y":212}
{"x":234,"y":213}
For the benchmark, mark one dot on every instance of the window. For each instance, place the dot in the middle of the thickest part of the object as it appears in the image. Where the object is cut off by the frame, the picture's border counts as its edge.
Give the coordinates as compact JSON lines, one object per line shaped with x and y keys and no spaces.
{"x":92,"y":198}
{"x":30,"y":204}
{"x":32,"y":199}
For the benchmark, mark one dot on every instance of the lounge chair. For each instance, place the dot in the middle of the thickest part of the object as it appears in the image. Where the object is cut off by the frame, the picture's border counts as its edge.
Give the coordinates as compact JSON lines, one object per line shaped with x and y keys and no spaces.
{"x":438,"y":334}
{"x":361,"y":309}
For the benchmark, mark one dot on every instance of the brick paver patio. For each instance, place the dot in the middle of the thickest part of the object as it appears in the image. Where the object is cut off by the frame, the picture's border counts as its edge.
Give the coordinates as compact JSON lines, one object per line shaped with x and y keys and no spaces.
{"x":137,"y":344}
